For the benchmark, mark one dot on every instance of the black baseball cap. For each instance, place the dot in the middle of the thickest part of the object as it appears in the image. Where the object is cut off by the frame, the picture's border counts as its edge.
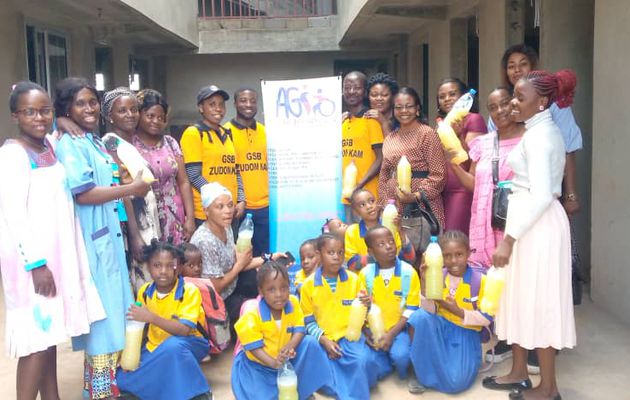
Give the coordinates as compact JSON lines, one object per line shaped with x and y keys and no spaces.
{"x":211,"y":90}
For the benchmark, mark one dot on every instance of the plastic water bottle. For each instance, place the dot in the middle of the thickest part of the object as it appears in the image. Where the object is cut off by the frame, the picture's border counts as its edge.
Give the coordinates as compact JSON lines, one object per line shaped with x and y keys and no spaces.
{"x":245,"y":234}
{"x":389,"y":214}
{"x":403,"y":172}
{"x":445,"y":131}
{"x":358,"y":312}
{"x":287,"y":382}
{"x":349,"y":180}
{"x":376,"y":324}
{"x":495,"y":281}
{"x":434,"y":284}
{"x":130,"y":358}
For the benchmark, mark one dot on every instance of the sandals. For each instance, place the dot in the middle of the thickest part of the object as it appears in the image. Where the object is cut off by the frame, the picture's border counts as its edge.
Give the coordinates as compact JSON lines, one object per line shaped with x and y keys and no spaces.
{"x":517,"y":394}
{"x":490,"y":382}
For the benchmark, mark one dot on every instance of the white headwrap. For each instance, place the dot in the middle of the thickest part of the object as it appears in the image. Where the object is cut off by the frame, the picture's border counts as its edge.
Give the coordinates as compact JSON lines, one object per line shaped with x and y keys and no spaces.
{"x":210,"y":192}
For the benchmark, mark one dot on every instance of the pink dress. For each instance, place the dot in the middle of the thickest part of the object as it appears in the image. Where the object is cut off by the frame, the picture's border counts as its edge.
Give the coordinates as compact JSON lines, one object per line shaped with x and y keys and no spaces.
{"x":162,"y":160}
{"x":38,"y":226}
{"x":457,"y":200}
{"x":483,"y":238}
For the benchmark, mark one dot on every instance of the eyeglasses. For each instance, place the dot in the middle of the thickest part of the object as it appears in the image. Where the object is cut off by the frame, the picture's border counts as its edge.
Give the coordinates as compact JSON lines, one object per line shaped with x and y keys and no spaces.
{"x":31,"y":112}
{"x":399,"y":107}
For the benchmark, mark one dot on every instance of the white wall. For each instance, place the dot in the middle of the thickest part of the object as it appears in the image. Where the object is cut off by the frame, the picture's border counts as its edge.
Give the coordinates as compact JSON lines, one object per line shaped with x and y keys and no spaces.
{"x":610,"y":207}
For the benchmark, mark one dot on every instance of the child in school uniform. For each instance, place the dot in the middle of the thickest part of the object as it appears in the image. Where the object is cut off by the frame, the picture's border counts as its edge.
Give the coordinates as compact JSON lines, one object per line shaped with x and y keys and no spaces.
{"x":446,"y":334}
{"x":395,"y":287}
{"x":364,"y":206}
{"x":309,"y":260}
{"x":335,"y":226}
{"x":272,"y":333}
{"x":326,"y":298}
{"x":169,"y":362}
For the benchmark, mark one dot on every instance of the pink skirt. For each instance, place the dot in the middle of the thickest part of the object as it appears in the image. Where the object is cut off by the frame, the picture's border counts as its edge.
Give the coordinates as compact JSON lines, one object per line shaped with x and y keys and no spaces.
{"x":536,"y":309}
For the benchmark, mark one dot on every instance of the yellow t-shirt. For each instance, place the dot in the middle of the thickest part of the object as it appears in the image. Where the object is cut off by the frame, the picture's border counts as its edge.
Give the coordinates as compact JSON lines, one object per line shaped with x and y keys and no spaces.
{"x":359,"y":137}
{"x":251,"y":157}
{"x":330,"y":310}
{"x":217,"y":158}
{"x":182,"y":303}
{"x":389,"y":297}
{"x":256,"y":328}
{"x":354,"y":241}
{"x":462,"y":298}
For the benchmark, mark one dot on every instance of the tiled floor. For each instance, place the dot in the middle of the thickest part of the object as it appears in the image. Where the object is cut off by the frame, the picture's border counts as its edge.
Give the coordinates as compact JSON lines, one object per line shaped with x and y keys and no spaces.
{"x":598,"y":368}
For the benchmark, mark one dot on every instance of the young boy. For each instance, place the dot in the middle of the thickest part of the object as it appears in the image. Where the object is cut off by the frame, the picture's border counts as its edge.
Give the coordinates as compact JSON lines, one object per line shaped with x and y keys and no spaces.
{"x":395,"y":287}
{"x":309,"y":260}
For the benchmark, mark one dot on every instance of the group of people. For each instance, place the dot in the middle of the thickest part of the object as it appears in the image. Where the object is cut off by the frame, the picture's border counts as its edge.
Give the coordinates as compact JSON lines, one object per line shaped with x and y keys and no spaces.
{"x":94,"y":222}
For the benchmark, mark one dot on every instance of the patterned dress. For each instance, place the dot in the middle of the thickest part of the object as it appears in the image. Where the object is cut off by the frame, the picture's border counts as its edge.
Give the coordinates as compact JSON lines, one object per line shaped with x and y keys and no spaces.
{"x":162,"y":160}
{"x":422,"y":147}
{"x":38,"y":227}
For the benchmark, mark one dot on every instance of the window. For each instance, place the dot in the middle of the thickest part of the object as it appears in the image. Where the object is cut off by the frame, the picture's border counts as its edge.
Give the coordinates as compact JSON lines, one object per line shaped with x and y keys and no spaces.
{"x":47,"y":54}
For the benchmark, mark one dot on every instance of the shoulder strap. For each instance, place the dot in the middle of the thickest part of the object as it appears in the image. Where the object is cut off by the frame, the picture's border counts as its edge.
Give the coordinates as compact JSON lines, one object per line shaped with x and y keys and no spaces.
{"x":405,"y":282}
{"x":369,"y":278}
{"x":475,"y":283}
{"x":495,"y":158}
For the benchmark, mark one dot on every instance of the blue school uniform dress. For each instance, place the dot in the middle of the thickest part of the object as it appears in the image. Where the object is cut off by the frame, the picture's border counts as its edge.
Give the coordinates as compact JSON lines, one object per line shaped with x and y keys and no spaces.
{"x":256,"y":329}
{"x":326,"y":312}
{"x":445,"y":353}
{"x":397,"y":298}
{"x":169,"y":365}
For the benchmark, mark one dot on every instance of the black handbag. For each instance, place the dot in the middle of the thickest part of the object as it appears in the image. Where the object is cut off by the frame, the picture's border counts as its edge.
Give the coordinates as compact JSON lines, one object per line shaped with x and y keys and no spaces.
{"x":500,"y":192}
{"x":419,"y":223}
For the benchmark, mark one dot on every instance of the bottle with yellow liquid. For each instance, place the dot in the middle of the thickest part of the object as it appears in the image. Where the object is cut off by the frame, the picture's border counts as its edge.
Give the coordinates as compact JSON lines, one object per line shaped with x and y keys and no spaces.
{"x":403,"y":172}
{"x":389,"y":214}
{"x":493,"y":289}
{"x":245,"y":234}
{"x":130,"y":358}
{"x":434,"y":278}
{"x":376,"y":324}
{"x":287,"y":382}
{"x":358,"y":312}
{"x":349,"y":180}
{"x":448,"y":137}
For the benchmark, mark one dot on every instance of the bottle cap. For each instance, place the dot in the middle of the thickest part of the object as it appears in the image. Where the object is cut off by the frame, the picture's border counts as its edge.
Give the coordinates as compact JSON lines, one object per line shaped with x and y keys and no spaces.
{"x":434,"y":239}
{"x":391,"y":201}
{"x":248,"y":215}
{"x":472,"y":92}
{"x":138,"y":304}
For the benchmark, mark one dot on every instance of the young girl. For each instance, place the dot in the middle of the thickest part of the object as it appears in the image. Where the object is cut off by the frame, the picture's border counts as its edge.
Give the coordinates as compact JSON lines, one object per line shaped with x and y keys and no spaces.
{"x":335,"y":226}
{"x":446,"y":346}
{"x":364,"y":205}
{"x":174,"y":345}
{"x":272,"y":333}
{"x":325,"y":299}
{"x":48,"y":290}
{"x":395,"y":288}
{"x":309,"y":259}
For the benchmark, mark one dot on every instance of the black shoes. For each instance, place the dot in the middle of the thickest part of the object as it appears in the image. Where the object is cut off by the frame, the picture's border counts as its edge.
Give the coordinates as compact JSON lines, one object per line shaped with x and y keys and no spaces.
{"x":490,"y":382}
{"x":517,"y":394}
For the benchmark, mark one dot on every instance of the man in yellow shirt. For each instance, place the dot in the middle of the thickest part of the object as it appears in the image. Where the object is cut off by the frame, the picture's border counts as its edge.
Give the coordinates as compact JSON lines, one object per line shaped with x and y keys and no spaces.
{"x":361,"y":138}
{"x":250,"y":145}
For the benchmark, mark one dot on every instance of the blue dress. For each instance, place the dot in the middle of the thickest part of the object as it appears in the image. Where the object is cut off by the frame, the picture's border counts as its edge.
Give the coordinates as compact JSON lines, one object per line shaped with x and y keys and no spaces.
{"x":88,"y":165}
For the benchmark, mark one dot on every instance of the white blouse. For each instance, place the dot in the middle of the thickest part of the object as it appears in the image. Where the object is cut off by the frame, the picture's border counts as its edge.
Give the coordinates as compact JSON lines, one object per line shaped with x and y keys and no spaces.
{"x":538,"y":165}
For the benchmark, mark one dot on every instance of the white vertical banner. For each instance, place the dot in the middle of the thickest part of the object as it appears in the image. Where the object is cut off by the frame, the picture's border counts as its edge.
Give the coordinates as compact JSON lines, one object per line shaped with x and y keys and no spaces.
{"x":303,"y":125}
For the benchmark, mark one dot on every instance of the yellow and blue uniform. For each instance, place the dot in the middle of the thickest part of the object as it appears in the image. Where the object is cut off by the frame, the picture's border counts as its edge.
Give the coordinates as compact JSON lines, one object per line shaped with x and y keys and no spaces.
{"x":400,"y":297}
{"x":445,"y":353}
{"x":326,"y":313}
{"x":166,"y":354}
{"x":212,"y":151}
{"x":250,"y":145}
{"x":356,"y":250}
{"x":360,"y":136}
{"x":257,"y":329}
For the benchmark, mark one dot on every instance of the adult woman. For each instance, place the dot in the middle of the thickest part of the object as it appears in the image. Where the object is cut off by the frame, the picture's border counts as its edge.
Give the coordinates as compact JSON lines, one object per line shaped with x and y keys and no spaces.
{"x":457,"y":200}
{"x":214,"y":238}
{"x":517,"y":61}
{"x":478,"y":180}
{"x":209,"y":152}
{"x":48,"y":291}
{"x":93,"y":180}
{"x":421,"y":145}
{"x":172,"y":188}
{"x":381,"y":90}
{"x":120,"y":110}
{"x":536,"y":309}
